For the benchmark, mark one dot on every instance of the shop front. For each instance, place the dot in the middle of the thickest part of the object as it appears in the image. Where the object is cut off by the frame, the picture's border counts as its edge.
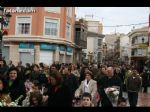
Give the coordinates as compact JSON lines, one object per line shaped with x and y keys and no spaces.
{"x":26,"y":52}
{"x":69,"y":55}
{"x":62,"y":50}
{"x":47,"y":53}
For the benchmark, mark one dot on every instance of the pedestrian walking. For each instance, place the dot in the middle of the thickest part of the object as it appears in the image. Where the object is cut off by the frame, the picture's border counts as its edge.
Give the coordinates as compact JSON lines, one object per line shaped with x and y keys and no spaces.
{"x":145,"y":80}
{"x":134,"y":83}
{"x":109,"y":80}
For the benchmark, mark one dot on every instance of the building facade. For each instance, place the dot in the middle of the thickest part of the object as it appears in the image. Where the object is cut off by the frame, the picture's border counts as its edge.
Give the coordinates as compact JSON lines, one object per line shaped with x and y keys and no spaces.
{"x":40,"y":34}
{"x":139,"y":43}
{"x":125,"y":49}
{"x":109,"y":47}
{"x":80,"y":40}
{"x":94,"y":47}
{"x":116,"y":48}
{"x":94,"y":53}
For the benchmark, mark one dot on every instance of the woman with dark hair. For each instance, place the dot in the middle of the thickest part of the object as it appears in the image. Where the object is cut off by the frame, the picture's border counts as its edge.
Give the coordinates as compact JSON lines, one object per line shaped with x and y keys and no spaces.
{"x":88,"y":85}
{"x":58,"y":94}
{"x":3,"y":68}
{"x":16,"y":86}
{"x":75,"y":71}
{"x":27,"y":71}
{"x":37,"y":75}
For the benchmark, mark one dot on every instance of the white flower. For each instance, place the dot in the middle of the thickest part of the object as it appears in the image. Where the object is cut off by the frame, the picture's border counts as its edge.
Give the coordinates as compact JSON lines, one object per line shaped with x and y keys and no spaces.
{"x":112,"y":89}
{"x":1,"y":104}
{"x":4,"y":104}
{"x":13,"y":104}
{"x":109,"y":89}
{"x":116,"y":93}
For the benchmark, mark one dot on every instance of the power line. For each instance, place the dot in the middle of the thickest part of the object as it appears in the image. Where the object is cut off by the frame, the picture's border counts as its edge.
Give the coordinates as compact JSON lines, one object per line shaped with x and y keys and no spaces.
{"x":120,"y":25}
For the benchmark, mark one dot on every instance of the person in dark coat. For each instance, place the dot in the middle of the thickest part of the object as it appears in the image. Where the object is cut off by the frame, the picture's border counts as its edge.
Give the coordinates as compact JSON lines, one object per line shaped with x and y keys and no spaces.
{"x":145,"y":80}
{"x":134,"y":82}
{"x":27,"y":71}
{"x":82,"y":73}
{"x":59,"y":95}
{"x":15,"y":85}
{"x":70,"y":80}
{"x":108,"y":81}
{"x":101,"y":73}
{"x":10,"y":64}
{"x":3,"y":69}
{"x":95,"y":71}
{"x":37,"y":75}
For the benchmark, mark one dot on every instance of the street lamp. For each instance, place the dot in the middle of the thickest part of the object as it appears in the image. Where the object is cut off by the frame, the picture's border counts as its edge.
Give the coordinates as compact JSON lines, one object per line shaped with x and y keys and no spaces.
{"x":4,"y":20}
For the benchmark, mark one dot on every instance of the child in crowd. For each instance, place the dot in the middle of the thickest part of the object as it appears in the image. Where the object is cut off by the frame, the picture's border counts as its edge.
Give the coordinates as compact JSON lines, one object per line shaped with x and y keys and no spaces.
{"x":35,"y":99}
{"x":86,"y":100}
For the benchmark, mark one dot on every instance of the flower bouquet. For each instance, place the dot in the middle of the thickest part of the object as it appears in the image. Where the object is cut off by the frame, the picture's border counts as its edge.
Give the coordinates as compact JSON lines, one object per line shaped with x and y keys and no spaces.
{"x":113,"y":94}
{"x":28,"y":85}
{"x":6,"y":102}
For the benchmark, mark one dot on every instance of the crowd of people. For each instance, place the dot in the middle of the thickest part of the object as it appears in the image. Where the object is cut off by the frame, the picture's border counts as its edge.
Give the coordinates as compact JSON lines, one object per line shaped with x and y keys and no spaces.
{"x":69,"y":85}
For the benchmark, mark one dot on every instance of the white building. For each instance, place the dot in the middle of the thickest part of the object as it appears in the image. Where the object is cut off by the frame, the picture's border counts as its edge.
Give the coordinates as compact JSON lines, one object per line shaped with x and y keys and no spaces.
{"x":94,"y":40}
{"x":125,"y":49}
{"x":94,"y":47}
{"x":139,"y":43}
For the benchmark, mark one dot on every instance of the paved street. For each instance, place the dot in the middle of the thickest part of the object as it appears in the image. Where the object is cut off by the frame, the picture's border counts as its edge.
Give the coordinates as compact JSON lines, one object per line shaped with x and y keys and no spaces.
{"x":143,"y":100}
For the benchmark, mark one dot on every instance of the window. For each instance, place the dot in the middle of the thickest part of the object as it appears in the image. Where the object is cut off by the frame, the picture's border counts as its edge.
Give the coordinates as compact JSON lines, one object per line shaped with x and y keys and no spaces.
{"x":24,"y":28}
{"x":140,"y":51}
{"x":23,"y":25}
{"x":69,"y":11}
{"x":52,"y":9}
{"x":99,"y":42}
{"x":68,"y":31}
{"x":132,"y":53}
{"x":51,"y":27}
{"x":133,"y":41}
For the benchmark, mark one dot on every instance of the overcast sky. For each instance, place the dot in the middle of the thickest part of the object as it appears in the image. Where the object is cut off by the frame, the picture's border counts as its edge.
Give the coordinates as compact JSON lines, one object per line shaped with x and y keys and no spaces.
{"x":112,"y":16}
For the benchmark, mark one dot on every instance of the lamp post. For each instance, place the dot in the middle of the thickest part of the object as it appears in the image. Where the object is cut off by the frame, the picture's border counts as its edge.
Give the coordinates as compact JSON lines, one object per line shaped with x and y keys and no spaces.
{"x":143,"y":40}
{"x":4,"y":20}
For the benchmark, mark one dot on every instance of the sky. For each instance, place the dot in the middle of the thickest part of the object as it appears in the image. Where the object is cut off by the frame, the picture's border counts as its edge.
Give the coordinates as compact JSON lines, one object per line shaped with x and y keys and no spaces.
{"x":112,"y":16}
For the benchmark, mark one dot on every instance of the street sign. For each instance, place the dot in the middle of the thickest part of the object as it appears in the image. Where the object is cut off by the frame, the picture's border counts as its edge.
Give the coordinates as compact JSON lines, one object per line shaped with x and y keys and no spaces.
{"x":26,"y":50}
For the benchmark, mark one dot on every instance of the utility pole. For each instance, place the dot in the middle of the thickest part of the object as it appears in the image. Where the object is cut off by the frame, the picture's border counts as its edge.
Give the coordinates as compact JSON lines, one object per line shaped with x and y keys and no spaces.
{"x":149,"y":39}
{"x":149,"y":34}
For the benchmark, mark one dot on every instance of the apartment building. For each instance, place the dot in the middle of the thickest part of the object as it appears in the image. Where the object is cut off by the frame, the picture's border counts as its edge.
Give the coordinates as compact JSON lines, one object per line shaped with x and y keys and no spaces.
{"x":139,"y":47}
{"x":40,"y":34}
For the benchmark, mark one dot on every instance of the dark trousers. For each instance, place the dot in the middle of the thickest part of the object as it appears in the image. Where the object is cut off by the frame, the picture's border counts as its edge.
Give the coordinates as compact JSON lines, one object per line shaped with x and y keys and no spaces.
{"x":145,"y":89}
{"x":133,"y":98}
